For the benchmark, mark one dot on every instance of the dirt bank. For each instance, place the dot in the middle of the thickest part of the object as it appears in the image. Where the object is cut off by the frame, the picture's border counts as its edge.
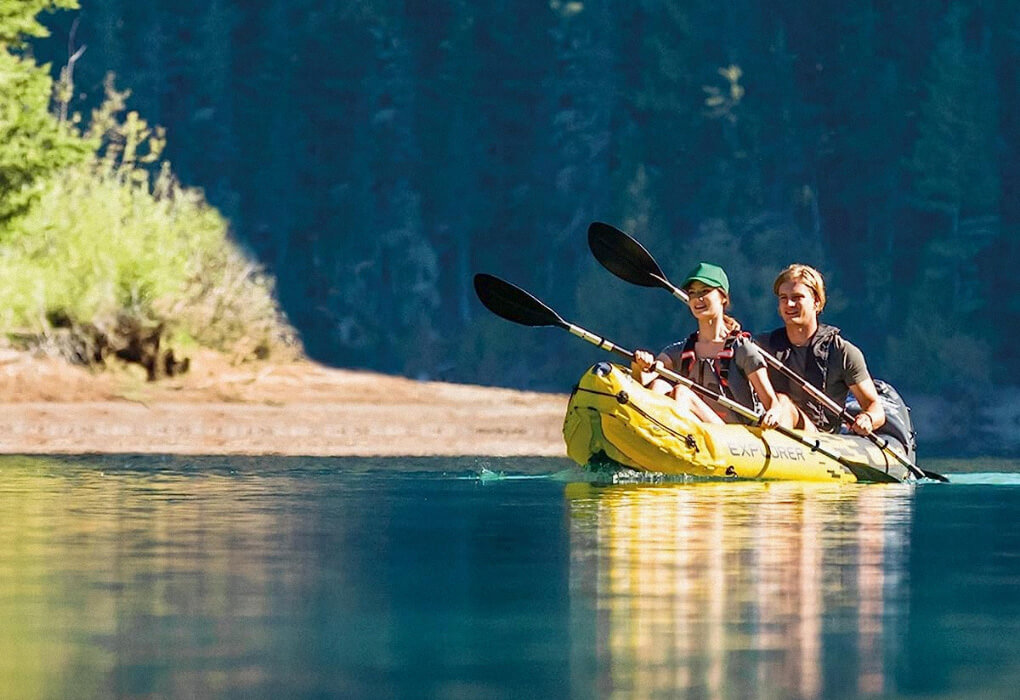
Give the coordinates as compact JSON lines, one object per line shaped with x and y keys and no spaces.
{"x":298,"y":408}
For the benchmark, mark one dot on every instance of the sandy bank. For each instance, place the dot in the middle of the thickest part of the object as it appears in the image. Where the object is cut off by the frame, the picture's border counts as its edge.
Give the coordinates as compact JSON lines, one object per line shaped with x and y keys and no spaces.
{"x":299,"y":408}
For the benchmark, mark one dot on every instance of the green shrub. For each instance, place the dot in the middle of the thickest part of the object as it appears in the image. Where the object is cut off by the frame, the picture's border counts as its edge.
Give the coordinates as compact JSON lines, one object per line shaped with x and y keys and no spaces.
{"x":102,"y":251}
{"x":114,"y":249}
{"x":33,"y":144}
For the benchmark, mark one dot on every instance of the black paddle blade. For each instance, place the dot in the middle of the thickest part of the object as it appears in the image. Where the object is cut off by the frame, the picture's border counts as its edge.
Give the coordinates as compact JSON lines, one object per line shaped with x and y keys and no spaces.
{"x":624,"y":256}
{"x":513,"y":303}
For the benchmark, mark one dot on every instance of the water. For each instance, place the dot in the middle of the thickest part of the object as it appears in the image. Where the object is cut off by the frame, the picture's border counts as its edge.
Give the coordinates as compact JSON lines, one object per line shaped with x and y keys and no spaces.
{"x":228,"y":577}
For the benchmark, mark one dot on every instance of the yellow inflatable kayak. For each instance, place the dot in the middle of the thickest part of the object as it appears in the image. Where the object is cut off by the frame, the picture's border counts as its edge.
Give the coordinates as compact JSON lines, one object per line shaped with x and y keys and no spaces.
{"x":611,"y":417}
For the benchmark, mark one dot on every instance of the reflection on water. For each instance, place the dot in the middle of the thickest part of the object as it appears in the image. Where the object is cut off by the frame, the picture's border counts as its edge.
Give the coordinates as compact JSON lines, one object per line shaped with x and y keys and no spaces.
{"x":93,"y":564}
{"x":277,"y":577}
{"x":726,"y":589}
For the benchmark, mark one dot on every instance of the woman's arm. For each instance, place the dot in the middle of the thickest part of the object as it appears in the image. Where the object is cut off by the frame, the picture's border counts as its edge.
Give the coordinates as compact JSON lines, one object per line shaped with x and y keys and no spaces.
{"x":643,"y":368}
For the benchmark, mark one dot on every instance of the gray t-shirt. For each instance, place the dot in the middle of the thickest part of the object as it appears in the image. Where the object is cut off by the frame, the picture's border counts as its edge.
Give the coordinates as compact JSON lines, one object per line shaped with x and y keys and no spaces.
{"x":844,"y":367}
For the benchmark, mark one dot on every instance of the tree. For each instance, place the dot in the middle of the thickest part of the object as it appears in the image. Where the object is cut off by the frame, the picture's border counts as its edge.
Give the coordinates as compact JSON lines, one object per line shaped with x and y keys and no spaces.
{"x":33,"y":143}
{"x":956,"y":174}
{"x":955,"y":163}
{"x":18,"y":19}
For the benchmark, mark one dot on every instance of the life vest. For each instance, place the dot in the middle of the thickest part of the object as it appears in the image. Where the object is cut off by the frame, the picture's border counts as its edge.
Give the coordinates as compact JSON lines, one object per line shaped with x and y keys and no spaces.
{"x":736,"y":388}
{"x":816,"y":372}
{"x":721,"y":366}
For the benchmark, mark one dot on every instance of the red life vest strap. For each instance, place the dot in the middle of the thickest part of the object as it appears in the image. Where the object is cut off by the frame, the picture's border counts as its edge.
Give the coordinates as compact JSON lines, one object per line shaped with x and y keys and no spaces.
{"x":725,"y":357}
{"x":721,"y":367}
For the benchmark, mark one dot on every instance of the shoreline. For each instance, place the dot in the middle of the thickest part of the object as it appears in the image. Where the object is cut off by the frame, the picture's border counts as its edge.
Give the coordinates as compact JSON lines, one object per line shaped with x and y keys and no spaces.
{"x":301,"y":408}
{"x":291,"y":409}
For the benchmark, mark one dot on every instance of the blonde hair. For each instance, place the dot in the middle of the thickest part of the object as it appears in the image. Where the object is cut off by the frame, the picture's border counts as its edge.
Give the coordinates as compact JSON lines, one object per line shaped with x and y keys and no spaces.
{"x":811,"y":277}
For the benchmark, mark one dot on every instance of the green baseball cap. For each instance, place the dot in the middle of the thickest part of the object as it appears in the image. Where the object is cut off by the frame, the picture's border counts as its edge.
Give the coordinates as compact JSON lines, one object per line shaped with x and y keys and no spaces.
{"x":712,"y":275}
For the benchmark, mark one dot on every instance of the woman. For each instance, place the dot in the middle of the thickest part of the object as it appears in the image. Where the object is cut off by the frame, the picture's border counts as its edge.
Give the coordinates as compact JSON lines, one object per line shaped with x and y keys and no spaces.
{"x":717,"y":356}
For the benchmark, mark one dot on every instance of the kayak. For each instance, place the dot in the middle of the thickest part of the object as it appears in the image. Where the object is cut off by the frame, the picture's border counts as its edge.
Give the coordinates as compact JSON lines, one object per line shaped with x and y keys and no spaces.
{"x":612,"y":419}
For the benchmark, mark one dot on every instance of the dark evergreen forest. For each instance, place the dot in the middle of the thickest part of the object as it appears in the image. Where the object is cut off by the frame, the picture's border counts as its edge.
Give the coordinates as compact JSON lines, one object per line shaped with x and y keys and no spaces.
{"x":374,"y":155}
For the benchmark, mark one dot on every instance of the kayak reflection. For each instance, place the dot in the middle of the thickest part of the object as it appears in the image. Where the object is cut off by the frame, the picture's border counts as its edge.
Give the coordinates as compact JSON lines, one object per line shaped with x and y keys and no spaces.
{"x":741,"y":589}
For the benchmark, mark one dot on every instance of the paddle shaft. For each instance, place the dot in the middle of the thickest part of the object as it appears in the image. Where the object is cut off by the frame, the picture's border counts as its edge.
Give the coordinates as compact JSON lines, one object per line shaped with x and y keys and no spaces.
{"x":738,"y":408}
{"x":518,"y":306}
{"x":628,"y":259}
{"x":775,"y":363}
{"x":822,"y":398}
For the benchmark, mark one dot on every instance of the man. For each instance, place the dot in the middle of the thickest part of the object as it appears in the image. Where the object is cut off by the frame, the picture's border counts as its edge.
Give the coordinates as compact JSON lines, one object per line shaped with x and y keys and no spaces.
{"x":819,"y":354}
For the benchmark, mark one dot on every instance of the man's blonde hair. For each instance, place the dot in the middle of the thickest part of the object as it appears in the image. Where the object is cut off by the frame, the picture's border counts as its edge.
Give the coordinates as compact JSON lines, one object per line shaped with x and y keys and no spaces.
{"x":806,"y":274}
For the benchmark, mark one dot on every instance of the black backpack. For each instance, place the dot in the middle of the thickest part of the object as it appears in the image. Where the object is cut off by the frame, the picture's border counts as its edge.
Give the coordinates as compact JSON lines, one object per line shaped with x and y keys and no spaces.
{"x":897,"y":416}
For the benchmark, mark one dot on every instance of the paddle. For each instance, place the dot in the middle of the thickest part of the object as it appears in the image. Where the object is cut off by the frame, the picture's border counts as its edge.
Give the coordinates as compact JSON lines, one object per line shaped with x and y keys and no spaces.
{"x":512,"y":303}
{"x":622,"y":255}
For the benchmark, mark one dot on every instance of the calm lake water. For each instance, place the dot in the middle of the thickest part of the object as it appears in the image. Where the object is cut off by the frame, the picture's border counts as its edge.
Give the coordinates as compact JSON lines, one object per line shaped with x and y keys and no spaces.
{"x":468,"y":578}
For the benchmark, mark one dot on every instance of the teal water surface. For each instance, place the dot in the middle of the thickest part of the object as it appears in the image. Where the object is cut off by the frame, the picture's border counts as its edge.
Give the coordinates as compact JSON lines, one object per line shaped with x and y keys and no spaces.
{"x":450,"y":578}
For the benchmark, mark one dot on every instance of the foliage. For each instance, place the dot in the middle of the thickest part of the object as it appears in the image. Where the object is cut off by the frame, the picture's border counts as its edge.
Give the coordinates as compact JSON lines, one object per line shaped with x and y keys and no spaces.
{"x":19,"y":19}
{"x":109,"y":241}
{"x":104,"y":252}
{"x":954,"y":156}
{"x":34,"y":144}
{"x":373,"y":175}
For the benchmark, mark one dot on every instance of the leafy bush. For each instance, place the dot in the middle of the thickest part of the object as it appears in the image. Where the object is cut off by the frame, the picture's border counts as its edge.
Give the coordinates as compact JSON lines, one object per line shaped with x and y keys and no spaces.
{"x":116,"y":257}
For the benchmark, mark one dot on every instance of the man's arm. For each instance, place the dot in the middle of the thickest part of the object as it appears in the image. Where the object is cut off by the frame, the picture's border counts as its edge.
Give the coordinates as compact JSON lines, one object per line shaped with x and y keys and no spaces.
{"x":872,"y":415}
{"x":858,"y":379}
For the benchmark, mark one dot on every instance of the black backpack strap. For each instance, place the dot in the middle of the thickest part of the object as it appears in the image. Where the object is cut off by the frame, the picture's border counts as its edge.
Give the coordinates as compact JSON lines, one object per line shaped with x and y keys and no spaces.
{"x":821,"y":352}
